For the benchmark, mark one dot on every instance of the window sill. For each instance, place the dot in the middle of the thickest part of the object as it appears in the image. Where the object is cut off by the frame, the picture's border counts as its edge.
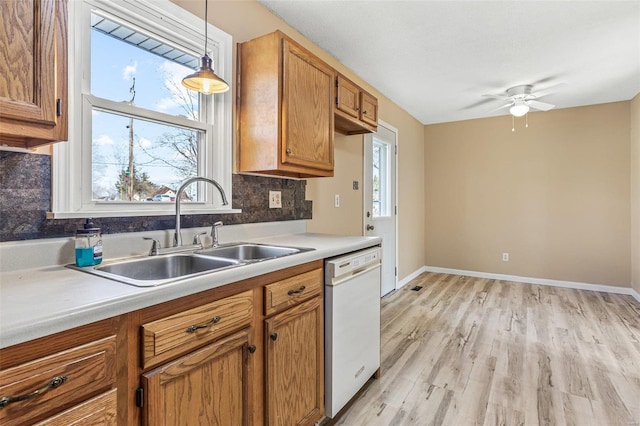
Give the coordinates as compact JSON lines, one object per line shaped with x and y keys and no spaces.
{"x":133,"y":213}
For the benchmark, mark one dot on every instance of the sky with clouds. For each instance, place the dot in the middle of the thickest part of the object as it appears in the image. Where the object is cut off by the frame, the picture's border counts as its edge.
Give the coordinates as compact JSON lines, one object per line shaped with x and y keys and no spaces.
{"x":157,"y":87}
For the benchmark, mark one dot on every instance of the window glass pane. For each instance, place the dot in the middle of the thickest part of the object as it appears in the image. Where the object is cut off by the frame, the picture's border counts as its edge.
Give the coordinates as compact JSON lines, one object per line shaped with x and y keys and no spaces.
{"x":380,"y":175}
{"x":139,"y":160}
{"x":128,"y":66}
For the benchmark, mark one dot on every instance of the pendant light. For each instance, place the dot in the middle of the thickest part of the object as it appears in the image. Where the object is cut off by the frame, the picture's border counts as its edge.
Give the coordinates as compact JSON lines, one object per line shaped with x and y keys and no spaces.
{"x":204,"y":80}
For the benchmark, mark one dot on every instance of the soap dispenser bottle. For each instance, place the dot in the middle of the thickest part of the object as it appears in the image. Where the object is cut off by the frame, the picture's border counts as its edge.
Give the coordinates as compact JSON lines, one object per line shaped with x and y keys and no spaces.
{"x":88,"y":245}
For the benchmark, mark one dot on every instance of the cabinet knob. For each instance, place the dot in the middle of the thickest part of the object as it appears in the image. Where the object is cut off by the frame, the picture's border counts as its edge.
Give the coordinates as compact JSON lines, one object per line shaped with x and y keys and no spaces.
{"x":252,"y":349}
{"x":370,"y":227}
{"x":289,"y":151}
{"x":274,"y":336}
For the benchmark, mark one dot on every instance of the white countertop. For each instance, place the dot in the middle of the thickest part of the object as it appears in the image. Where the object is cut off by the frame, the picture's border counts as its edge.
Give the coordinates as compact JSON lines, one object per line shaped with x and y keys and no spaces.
{"x":42,"y":301}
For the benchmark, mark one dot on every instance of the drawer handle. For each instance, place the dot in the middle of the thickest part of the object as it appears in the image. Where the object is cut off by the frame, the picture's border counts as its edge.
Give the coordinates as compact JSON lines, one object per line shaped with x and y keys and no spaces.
{"x":298,"y":291}
{"x":53,"y":383}
{"x":195,"y":327}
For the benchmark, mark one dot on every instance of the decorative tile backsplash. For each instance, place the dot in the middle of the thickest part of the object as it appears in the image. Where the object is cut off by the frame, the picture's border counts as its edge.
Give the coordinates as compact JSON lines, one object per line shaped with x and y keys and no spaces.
{"x":25,"y":199}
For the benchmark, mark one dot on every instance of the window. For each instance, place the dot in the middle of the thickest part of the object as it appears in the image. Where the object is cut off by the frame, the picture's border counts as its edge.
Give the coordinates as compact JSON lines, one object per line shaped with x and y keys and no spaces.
{"x":135,"y":132}
{"x":380,"y":179}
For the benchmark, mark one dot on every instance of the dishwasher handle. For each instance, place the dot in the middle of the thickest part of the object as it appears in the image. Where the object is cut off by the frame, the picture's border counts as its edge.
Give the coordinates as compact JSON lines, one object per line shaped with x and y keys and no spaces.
{"x":346,"y":277}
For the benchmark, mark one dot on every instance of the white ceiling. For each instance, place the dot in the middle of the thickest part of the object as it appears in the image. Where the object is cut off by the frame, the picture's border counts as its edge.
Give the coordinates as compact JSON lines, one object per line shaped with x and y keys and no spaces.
{"x":437,"y":58}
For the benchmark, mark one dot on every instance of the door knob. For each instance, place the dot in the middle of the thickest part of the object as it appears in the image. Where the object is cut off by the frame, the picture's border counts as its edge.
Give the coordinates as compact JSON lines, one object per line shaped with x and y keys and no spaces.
{"x":370,"y":227}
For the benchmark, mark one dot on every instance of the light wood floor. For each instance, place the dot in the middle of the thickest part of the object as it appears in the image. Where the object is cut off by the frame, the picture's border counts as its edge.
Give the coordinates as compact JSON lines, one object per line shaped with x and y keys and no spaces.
{"x":471,"y":351}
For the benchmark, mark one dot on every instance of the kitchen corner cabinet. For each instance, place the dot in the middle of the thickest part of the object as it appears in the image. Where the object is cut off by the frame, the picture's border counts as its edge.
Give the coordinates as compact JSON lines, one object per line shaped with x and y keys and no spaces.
{"x":33,"y":72}
{"x":285,"y":109}
{"x":67,"y":378}
{"x":356,"y":111}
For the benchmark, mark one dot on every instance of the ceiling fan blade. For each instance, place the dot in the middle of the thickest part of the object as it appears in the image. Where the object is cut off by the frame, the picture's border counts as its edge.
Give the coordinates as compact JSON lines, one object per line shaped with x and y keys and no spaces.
{"x":501,"y":97}
{"x":502,"y":107}
{"x":547,"y":91}
{"x":542,"y":106}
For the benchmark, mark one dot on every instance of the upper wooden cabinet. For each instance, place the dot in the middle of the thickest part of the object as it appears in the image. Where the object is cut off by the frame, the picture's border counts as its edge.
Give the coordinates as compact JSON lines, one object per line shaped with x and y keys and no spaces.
{"x":285,"y":109}
{"x":33,"y":72}
{"x":356,"y":111}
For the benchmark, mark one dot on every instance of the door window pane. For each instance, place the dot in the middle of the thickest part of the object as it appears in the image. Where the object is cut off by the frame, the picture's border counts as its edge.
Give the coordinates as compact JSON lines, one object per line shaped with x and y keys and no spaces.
{"x":380,"y":175}
{"x":139,"y":160}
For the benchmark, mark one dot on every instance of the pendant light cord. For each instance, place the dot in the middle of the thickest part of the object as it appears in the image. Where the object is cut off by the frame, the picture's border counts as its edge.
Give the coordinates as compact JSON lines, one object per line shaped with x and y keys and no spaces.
{"x":206,"y":14}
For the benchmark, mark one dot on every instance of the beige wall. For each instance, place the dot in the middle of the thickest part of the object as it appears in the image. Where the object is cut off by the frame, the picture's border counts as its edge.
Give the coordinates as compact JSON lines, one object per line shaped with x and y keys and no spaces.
{"x":245,"y":20}
{"x":555,"y":196}
{"x":635,"y":192}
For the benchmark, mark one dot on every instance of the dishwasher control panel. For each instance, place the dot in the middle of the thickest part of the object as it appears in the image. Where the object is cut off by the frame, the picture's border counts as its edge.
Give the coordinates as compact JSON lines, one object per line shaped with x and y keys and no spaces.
{"x":352,"y":262}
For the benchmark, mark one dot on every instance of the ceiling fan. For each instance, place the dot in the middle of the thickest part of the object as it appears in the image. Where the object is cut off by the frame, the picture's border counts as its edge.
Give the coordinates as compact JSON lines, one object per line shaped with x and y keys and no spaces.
{"x":520,"y":99}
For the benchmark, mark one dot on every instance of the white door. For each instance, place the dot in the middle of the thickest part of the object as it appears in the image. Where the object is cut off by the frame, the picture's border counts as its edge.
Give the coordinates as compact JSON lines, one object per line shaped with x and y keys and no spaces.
{"x":380,"y":210}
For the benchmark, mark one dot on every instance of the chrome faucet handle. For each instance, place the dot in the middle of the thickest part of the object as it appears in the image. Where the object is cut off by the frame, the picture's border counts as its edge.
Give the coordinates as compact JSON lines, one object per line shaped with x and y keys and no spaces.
{"x":155,"y":246}
{"x":214,"y":232}
{"x":197,"y":238}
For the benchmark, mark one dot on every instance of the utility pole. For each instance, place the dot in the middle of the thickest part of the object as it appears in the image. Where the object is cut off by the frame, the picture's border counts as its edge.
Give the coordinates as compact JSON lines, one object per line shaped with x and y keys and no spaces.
{"x":130,"y":170}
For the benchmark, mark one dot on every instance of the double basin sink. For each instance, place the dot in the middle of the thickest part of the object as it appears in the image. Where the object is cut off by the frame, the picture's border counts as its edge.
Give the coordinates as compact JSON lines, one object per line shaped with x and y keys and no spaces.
{"x":156,"y":270}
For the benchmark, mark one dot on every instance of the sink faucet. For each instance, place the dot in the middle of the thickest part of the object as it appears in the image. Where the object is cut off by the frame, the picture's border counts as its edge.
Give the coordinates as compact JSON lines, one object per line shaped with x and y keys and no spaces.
{"x":214,"y":233}
{"x":177,"y":238}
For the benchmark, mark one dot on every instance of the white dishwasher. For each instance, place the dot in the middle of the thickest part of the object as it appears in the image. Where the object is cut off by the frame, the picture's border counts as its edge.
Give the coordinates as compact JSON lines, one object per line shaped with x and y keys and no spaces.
{"x":352,"y":325}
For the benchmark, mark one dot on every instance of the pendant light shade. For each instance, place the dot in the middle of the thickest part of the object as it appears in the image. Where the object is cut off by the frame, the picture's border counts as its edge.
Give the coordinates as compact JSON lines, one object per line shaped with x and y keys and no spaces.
{"x":204,"y":80}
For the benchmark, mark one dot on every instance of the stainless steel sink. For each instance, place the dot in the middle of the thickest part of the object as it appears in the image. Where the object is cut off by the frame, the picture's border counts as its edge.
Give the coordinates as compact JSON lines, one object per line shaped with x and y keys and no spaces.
{"x":156,"y":270}
{"x":248,"y":252}
{"x":152,"y":271}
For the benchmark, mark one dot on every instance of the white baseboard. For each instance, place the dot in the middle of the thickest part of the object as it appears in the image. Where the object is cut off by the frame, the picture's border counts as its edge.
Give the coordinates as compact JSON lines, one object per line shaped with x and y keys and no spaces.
{"x":527,"y":280}
{"x":410,"y":277}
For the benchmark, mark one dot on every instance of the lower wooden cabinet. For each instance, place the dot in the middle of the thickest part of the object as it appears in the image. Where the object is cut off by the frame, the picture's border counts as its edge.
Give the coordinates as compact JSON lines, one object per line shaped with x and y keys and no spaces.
{"x":295,"y":365}
{"x":210,"y":386}
{"x":248,"y":353}
{"x":65,"y":379}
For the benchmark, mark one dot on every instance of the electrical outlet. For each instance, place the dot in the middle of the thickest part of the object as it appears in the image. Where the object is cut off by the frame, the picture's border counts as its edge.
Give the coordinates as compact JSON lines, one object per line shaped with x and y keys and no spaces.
{"x":336,"y":200}
{"x":275,"y":199}
{"x":505,"y":257}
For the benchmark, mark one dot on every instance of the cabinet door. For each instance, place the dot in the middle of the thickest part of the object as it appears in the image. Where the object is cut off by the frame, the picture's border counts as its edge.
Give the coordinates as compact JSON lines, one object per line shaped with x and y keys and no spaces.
{"x":307,"y":110}
{"x":348,"y":97}
{"x":295,"y":365}
{"x":209,"y":386}
{"x":369,"y":110}
{"x":33,"y":71}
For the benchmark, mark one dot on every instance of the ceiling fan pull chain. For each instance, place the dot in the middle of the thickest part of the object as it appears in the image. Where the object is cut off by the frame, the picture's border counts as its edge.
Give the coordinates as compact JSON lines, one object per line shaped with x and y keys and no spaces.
{"x":513,"y":123}
{"x":526,"y":120}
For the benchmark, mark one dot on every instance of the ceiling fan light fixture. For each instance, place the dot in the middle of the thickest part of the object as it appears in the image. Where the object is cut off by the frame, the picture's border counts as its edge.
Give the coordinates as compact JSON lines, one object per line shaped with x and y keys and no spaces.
{"x":519,"y":109}
{"x":204,"y":80}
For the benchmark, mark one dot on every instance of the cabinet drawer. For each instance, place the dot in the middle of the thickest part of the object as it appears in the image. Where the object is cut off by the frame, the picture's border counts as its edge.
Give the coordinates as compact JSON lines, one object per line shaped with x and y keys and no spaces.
{"x":282,"y":294}
{"x":101,"y":410}
{"x":179,"y":333}
{"x":57,"y":381}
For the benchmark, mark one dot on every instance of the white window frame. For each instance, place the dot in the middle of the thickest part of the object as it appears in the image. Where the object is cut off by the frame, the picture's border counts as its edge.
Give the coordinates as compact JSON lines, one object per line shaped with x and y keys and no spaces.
{"x":71,"y":174}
